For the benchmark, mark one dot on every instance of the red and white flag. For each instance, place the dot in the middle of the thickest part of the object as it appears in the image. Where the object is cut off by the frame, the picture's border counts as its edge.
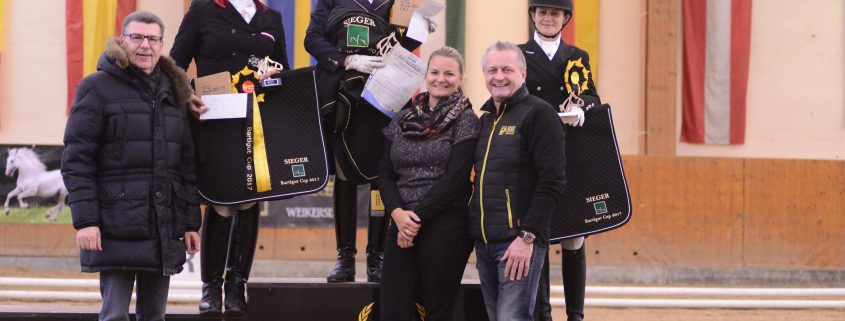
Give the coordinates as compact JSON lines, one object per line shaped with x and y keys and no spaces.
{"x":88,"y":24}
{"x":717,"y":37}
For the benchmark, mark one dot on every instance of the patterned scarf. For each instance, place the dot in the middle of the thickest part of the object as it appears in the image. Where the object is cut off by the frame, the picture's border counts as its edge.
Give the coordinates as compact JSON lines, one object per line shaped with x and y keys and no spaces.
{"x":422,"y":122}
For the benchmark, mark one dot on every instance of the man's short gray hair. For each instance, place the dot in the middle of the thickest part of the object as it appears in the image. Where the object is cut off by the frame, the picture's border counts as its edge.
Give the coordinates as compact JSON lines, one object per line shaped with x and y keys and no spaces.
{"x":142,"y":17}
{"x":500,"y":45}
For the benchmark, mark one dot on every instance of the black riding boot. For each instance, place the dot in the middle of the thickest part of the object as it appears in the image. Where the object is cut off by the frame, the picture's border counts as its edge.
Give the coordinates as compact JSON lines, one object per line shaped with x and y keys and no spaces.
{"x":241,"y":254}
{"x":574,"y":281}
{"x":376,"y":234}
{"x":543,"y":308}
{"x":345,"y":225}
{"x":213,"y":250}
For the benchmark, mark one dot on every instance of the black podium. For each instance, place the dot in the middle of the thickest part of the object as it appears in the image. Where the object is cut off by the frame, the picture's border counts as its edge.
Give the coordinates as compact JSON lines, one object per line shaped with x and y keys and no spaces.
{"x":297,"y":301}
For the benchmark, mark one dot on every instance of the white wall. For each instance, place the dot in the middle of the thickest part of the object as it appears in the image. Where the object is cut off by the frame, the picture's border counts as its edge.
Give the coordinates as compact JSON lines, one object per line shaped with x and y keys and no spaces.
{"x":622,"y":39}
{"x":33,"y":76}
{"x":486,"y":22}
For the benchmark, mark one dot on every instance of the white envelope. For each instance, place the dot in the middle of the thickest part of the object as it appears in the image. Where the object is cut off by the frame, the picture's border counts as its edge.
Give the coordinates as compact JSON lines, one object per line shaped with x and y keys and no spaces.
{"x":418,"y":26}
{"x":225,"y":106}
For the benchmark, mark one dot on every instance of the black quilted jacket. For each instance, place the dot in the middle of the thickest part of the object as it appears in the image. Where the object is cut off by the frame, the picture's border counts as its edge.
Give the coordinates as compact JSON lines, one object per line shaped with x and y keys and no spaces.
{"x":128,"y":165}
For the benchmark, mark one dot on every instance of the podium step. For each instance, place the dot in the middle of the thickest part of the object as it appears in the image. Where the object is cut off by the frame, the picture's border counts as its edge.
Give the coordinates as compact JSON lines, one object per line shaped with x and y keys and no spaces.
{"x":89,"y":313}
{"x":298,"y":299}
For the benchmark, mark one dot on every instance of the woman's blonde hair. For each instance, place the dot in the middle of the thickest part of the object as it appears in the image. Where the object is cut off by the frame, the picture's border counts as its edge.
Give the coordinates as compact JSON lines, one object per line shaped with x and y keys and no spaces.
{"x":449,"y":52}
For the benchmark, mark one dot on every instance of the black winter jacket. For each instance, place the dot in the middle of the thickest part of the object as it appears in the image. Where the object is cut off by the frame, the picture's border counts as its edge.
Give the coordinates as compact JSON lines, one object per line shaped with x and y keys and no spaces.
{"x":128,"y":165}
{"x":520,"y":170}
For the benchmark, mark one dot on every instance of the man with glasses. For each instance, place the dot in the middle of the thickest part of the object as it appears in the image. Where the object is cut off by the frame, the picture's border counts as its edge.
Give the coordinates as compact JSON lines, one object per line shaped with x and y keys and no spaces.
{"x":128,"y":164}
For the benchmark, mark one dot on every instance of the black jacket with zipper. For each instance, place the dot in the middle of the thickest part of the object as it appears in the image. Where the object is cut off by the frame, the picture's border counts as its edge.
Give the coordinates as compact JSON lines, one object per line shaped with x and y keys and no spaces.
{"x":128,"y":165}
{"x":519,"y":165}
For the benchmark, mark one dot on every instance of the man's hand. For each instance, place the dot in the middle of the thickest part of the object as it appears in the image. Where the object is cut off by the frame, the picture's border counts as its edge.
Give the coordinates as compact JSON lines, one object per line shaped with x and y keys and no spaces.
{"x":192,"y":242}
{"x":89,"y":239}
{"x":365,"y":64}
{"x":517,"y":259}
{"x":196,"y":106}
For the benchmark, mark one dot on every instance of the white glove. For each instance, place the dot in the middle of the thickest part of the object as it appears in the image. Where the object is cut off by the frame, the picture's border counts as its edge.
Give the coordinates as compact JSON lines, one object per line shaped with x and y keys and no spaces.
{"x":365,"y":64}
{"x":577,"y":120}
{"x":432,"y":25}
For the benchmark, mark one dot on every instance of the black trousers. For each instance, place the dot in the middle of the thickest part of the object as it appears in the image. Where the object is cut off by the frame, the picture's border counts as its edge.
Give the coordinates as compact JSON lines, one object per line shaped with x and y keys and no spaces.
{"x":431,"y":270}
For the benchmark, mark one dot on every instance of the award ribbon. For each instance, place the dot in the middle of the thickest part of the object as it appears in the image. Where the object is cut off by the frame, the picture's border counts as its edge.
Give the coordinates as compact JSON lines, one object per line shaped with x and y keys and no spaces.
{"x":257,"y":166}
{"x":262,"y":167}
{"x":577,"y":76}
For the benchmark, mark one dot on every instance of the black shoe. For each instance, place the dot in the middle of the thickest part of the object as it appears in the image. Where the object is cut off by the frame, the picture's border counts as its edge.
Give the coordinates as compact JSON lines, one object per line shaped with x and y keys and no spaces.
{"x":212,"y":299}
{"x":239,"y":265}
{"x":344,"y":268}
{"x":235,"y":295}
{"x":215,"y":240}
{"x":375,"y":261}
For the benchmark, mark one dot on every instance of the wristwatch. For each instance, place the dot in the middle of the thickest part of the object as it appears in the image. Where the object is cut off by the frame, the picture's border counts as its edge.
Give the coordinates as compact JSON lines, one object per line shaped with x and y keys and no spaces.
{"x":527,"y":237}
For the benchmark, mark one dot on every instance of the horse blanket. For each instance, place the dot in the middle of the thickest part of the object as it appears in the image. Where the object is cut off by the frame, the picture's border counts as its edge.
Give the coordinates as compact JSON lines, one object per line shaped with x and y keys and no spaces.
{"x":596,"y":197}
{"x":276,"y":152}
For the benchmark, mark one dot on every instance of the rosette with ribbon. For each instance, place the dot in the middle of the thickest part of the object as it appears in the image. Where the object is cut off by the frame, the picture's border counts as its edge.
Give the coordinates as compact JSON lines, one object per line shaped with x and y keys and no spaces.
{"x":257,"y":166}
{"x":577,"y":76}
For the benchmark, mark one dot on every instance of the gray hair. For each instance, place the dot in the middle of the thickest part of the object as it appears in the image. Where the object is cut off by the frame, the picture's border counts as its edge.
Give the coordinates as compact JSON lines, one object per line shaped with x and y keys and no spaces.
{"x":142,"y":17}
{"x":449,"y":52}
{"x":500,"y":45}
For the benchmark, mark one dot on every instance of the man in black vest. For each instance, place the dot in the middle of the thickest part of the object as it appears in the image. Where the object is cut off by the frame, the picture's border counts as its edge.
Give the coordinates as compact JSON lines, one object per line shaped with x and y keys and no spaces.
{"x":520,"y":178}
{"x":556,"y":69}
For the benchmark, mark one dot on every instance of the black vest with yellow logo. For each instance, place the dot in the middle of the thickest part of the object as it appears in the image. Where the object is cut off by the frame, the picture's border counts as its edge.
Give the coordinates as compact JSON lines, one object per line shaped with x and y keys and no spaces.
{"x":505,"y":173}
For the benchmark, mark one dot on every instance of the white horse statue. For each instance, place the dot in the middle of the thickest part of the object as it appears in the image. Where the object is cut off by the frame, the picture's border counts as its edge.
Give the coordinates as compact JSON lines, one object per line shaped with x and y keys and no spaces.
{"x":34,"y":180}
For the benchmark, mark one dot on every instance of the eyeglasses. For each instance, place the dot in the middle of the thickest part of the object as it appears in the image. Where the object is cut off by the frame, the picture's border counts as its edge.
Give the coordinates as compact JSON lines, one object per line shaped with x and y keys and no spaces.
{"x":139,"y":38}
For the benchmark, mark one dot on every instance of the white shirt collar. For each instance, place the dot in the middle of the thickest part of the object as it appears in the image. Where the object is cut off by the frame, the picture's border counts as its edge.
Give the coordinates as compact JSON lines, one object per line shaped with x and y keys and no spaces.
{"x":245,"y":7}
{"x":549,"y":47}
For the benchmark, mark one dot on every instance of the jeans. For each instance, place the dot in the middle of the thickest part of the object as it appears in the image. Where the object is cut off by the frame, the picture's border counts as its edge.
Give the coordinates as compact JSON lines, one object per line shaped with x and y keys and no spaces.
{"x":116,"y":290}
{"x":504,"y":299}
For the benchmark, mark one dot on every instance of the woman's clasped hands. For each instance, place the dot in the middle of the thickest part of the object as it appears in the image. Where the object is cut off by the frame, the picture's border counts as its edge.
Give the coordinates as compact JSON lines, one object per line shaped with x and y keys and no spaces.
{"x":408,"y":224}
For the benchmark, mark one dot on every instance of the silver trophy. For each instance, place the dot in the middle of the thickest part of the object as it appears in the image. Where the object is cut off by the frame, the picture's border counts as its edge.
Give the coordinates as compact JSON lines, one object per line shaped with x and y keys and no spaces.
{"x":265,"y":66}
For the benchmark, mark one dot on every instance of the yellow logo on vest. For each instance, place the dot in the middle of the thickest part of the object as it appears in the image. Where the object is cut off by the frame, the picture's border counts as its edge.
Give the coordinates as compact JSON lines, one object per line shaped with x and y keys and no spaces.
{"x":507,"y":130}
